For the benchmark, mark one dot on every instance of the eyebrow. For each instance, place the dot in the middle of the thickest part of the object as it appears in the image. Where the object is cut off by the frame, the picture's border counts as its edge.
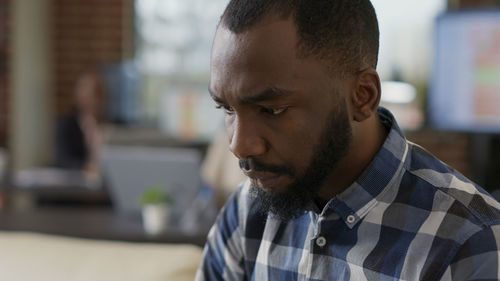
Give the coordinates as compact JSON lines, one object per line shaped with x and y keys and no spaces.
{"x":268,"y":94}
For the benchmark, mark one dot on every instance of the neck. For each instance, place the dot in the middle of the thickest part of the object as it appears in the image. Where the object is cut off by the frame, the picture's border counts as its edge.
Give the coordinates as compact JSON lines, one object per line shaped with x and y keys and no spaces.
{"x":368,"y":138}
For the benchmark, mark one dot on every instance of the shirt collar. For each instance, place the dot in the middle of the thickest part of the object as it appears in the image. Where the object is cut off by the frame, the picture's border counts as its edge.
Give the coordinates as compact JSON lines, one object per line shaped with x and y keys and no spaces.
{"x":379,"y":180}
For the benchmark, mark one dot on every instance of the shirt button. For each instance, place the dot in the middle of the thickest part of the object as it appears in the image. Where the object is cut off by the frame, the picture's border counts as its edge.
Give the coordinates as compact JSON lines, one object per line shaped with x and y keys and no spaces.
{"x":351,"y":218}
{"x":321,"y":241}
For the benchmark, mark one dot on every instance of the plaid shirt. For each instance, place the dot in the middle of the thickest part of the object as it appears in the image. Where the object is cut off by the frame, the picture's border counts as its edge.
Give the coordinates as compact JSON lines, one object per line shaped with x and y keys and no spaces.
{"x":409,"y":216}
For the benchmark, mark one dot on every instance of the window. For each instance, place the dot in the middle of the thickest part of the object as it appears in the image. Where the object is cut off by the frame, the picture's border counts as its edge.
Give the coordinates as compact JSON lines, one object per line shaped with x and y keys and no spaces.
{"x":173,"y":51}
{"x":173,"y":56}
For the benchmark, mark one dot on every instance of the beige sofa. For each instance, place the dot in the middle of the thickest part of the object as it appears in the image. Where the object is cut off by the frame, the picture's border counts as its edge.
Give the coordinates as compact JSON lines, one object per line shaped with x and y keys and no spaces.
{"x":40,"y":257}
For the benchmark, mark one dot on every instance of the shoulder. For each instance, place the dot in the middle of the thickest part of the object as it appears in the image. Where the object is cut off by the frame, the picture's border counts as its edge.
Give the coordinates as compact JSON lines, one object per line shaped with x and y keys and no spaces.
{"x":242,"y":210}
{"x":459,"y":220}
{"x":225,"y":253}
{"x":239,"y":215}
{"x":458,"y":199}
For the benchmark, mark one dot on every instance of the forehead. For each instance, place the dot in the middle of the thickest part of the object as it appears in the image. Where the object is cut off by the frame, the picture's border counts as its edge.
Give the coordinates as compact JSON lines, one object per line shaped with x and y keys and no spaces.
{"x":272,"y":38}
{"x":263,"y":56}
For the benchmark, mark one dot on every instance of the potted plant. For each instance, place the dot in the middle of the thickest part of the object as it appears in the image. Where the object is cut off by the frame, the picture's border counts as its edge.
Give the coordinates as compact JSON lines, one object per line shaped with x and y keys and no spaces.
{"x":155,"y":204}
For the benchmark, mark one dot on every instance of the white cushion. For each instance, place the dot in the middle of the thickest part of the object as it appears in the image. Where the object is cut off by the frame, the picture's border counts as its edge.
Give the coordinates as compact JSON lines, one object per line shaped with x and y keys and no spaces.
{"x":40,"y":257}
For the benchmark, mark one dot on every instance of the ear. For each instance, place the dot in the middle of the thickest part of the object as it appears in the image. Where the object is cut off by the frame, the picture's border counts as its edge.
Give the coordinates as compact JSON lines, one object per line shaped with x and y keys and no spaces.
{"x":366,"y":95}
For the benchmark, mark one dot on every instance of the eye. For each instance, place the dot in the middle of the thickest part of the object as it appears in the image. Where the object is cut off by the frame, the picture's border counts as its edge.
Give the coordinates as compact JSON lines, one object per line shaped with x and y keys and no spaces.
{"x":274,"y":111}
{"x":227,"y":109}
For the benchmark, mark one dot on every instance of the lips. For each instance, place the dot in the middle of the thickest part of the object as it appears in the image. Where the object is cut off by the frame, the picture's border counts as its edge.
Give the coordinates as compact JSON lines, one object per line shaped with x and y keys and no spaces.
{"x":262,"y":179}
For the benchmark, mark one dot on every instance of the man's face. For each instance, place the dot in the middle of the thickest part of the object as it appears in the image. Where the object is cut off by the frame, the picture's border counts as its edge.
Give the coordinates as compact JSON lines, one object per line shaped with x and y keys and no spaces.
{"x":286,"y":116}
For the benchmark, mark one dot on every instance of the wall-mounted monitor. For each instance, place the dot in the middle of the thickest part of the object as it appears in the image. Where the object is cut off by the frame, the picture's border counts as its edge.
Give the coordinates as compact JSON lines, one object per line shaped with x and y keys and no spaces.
{"x":465,"y":84}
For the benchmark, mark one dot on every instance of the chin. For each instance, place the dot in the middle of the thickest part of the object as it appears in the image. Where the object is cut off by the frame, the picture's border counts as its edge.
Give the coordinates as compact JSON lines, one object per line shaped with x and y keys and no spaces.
{"x":284,"y":203}
{"x":276,"y":188}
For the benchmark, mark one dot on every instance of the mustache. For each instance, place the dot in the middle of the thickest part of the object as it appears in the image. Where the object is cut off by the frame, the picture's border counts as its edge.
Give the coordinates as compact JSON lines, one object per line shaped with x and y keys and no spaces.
{"x":252,"y":164}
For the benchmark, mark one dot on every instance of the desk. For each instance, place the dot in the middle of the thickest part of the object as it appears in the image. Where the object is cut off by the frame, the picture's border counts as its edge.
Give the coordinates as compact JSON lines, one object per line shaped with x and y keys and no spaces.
{"x":89,"y":222}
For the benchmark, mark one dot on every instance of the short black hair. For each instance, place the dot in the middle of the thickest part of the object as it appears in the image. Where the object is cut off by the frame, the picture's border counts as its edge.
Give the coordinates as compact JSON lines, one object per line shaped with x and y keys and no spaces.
{"x":343,"y":31}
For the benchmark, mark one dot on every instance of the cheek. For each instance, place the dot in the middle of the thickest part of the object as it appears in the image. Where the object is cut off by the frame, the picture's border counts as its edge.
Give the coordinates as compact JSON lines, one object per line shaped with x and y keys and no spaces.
{"x":304,"y":148}
{"x":294,"y":140}
{"x":303,"y":129}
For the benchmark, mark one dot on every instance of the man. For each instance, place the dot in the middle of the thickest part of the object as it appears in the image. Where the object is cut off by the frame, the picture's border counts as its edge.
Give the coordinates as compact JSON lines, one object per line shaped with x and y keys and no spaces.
{"x":335,"y":192}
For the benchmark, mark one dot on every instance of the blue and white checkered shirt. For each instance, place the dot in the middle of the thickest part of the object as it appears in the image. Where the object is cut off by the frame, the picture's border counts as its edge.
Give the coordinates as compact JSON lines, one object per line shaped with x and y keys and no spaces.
{"x":409,"y":216}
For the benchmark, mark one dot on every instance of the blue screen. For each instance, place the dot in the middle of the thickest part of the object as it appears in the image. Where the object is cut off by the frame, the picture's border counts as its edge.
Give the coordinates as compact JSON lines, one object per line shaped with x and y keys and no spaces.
{"x":465,"y":84}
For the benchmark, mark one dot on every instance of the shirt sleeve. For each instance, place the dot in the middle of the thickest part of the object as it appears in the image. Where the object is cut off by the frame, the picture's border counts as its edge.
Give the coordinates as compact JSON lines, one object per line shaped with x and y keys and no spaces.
{"x":478,"y":258}
{"x":223,"y":257}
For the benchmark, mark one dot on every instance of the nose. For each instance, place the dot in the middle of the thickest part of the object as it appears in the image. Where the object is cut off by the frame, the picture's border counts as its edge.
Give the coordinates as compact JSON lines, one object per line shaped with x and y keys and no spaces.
{"x":244,"y":139}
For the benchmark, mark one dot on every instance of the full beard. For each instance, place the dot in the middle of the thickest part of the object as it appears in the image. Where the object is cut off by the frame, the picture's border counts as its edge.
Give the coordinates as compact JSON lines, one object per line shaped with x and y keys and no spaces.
{"x":332,"y":147}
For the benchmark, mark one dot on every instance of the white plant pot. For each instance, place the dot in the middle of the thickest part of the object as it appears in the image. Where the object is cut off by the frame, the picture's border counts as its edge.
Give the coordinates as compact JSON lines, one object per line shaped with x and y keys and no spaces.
{"x":155,"y":218}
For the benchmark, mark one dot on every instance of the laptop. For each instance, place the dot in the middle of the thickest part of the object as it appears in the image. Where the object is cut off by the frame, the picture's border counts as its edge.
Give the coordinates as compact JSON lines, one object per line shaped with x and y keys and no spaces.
{"x":130,"y":170}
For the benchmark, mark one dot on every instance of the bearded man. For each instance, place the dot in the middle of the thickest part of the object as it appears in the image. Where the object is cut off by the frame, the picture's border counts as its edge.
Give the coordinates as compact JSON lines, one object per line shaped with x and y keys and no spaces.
{"x":335,"y":191}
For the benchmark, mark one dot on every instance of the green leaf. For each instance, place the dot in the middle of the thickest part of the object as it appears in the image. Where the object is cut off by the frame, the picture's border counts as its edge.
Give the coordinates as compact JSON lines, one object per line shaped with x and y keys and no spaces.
{"x":155,"y":194}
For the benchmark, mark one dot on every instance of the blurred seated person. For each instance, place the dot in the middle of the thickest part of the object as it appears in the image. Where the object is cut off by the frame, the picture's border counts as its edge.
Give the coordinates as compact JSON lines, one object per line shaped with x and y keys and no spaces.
{"x":79,"y":133}
{"x":220,"y":169}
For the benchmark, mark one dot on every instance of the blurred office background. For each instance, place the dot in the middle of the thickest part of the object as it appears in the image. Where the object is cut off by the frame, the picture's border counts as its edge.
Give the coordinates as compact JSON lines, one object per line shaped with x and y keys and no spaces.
{"x":152,"y":57}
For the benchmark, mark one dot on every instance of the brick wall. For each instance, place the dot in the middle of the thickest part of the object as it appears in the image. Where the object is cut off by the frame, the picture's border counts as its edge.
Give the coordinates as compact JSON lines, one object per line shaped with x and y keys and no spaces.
{"x":478,"y":3}
{"x":4,"y":97}
{"x":87,"y":35}
{"x":475,"y":156}
{"x":452,"y":148}
{"x":457,"y":4}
